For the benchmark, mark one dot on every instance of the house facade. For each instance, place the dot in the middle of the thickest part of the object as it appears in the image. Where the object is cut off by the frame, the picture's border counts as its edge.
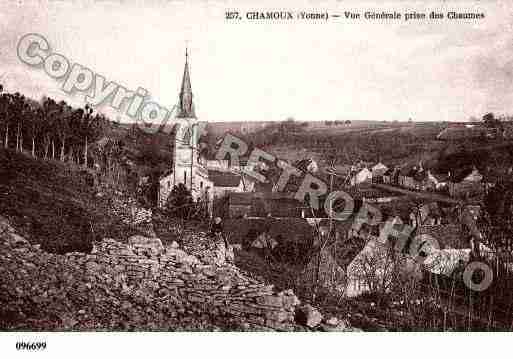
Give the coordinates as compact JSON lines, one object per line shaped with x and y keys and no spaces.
{"x":471,"y":185}
{"x":378,"y":172}
{"x":436,"y":181}
{"x":361,"y":176}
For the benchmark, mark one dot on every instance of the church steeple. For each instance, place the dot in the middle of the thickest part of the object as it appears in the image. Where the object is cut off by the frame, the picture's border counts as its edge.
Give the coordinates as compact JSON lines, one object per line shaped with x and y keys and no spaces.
{"x":185,"y":103}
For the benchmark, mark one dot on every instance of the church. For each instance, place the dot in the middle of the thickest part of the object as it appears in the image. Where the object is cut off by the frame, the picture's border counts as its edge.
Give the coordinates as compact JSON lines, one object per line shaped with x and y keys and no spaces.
{"x":189,"y":166}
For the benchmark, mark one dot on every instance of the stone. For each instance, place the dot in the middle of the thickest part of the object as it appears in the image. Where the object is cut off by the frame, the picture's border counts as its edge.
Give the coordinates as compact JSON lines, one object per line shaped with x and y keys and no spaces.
{"x":268,"y":300}
{"x":130,"y":287}
{"x":332,"y":321}
{"x":308,"y":316}
{"x":336,"y":325}
{"x":16,"y":239}
{"x":146,"y":242}
{"x":290,"y":301}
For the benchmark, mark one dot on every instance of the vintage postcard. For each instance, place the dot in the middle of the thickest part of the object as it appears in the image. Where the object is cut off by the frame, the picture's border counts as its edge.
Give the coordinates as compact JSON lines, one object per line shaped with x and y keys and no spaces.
{"x":254,"y":166}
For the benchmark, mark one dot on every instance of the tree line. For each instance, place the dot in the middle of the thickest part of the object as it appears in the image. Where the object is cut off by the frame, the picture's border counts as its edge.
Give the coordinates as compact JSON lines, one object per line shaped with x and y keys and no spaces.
{"x":49,"y":129}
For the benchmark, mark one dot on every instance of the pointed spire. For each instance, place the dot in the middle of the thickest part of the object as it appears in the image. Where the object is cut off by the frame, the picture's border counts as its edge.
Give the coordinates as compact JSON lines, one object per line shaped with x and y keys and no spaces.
{"x":185,"y":104}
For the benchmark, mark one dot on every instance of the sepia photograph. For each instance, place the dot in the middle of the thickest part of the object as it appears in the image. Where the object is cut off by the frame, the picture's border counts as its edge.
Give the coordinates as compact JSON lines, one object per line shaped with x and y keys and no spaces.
{"x":235,"y":170}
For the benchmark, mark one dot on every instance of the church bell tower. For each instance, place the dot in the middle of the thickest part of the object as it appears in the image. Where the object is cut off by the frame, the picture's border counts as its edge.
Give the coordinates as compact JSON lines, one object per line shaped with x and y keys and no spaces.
{"x":187,"y":167}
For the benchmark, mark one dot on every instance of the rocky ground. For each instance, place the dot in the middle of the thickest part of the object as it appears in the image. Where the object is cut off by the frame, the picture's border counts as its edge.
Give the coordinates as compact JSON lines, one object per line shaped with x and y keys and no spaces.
{"x":141,"y":285}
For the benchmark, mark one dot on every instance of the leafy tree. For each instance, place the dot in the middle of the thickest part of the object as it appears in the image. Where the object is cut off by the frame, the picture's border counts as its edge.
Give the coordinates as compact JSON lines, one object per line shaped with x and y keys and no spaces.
{"x":180,"y":202}
{"x":5,"y":102}
{"x":47,"y":122}
{"x":17,"y":112}
{"x":497,"y":222}
{"x":491,"y":121}
{"x":34,"y":127}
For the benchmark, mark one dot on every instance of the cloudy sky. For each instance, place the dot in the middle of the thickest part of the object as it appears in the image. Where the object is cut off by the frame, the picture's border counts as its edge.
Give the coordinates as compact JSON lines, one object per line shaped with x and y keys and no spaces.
{"x":360,"y":70}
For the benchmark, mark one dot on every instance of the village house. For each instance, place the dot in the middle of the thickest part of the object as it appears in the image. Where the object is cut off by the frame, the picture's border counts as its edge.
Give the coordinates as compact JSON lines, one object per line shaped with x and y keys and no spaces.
{"x":406,"y":177}
{"x":341,"y":171}
{"x":391,"y":176}
{"x":307,"y":165}
{"x":361,"y":176}
{"x":373,"y":268}
{"x":413,"y":178}
{"x":226,"y":166}
{"x":437,"y":181}
{"x":420,"y":180}
{"x":466,"y":184}
{"x":378,"y":171}
{"x":218,"y":165}
{"x":387,"y":176}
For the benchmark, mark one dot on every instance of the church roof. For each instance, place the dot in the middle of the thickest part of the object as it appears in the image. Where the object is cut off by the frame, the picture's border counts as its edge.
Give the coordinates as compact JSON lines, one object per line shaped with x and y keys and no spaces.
{"x":185,"y":103}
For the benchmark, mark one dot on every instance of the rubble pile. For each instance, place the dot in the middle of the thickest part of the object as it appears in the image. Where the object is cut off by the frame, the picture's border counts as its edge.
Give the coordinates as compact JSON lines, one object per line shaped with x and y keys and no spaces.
{"x":130,"y":212}
{"x":141,"y":285}
{"x":208,"y":250}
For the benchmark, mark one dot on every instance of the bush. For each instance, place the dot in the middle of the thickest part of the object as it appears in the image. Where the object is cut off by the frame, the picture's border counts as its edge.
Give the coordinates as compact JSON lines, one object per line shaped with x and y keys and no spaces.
{"x":179,"y":203}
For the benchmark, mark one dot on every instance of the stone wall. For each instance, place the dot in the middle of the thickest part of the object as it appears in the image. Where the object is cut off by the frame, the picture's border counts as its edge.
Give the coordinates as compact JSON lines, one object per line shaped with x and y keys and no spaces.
{"x":141,"y":285}
{"x":129,"y":212}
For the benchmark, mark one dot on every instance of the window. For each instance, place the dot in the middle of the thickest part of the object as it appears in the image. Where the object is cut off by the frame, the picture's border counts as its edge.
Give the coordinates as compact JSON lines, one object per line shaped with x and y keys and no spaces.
{"x":201,"y":184}
{"x":168,"y":184}
{"x":185,"y":178}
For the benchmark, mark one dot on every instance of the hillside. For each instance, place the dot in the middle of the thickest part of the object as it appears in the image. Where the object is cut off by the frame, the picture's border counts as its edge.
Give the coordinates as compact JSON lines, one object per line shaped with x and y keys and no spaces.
{"x":55,"y":205}
{"x":390,"y":142}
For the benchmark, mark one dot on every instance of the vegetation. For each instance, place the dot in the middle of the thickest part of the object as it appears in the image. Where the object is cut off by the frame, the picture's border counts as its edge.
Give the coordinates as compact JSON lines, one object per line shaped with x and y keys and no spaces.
{"x":352,"y":142}
{"x":52,"y":129}
{"x":55,"y":205}
{"x":180,"y":204}
{"x":489,"y":120}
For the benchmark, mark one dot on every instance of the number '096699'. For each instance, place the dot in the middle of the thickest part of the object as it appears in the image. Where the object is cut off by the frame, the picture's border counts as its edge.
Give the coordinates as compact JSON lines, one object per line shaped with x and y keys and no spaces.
{"x":30,"y":346}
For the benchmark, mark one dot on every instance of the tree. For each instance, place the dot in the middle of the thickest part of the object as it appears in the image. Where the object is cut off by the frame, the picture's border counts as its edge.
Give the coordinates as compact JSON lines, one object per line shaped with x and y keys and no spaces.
{"x":63,"y":125}
{"x":497,"y":222}
{"x":180,"y":203}
{"x":5,"y":102}
{"x":34,"y":127}
{"x":490,"y":121}
{"x":17,"y":113}
{"x":91,"y":128}
{"x":50,"y":113}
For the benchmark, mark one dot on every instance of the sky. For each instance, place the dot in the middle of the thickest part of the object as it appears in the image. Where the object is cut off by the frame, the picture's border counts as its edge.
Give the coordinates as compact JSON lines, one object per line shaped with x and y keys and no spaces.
{"x":427,"y":70}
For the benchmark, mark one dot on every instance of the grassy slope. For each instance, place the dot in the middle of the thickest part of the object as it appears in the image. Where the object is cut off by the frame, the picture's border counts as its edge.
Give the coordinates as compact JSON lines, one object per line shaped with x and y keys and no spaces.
{"x":53,"y":205}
